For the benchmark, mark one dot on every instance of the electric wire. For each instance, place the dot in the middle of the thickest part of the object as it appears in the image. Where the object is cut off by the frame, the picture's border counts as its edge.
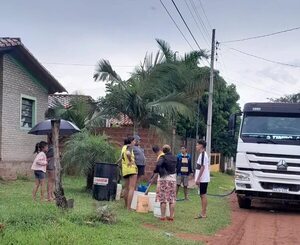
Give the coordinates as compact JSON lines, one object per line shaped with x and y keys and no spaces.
{"x":176,"y":24}
{"x":204,"y":12}
{"x":261,"y":36}
{"x":197,"y":24}
{"x":178,"y":11}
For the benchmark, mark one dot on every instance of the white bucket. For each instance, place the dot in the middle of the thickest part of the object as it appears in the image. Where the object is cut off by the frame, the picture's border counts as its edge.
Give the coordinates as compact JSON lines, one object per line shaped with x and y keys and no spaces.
{"x":157,"y":212}
{"x":152,"y":196}
{"x":134,"y":199}
{"x":119,"y":191}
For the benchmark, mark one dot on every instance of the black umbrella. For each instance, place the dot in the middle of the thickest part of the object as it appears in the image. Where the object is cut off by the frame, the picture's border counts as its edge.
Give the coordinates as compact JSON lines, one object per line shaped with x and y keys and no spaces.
{"x":44,"y":128}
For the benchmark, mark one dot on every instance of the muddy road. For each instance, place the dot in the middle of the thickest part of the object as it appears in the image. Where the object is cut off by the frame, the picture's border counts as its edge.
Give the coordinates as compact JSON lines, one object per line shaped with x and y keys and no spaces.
{"x":263,"y":224}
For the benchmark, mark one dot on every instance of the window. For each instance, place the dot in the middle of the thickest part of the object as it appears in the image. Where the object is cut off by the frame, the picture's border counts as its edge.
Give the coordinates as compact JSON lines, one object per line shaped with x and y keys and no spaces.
{"x":27,"y":112}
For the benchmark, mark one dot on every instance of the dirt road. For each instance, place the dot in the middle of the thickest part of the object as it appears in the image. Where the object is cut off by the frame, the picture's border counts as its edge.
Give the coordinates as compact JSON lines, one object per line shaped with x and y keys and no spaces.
{"x":263,"y":224}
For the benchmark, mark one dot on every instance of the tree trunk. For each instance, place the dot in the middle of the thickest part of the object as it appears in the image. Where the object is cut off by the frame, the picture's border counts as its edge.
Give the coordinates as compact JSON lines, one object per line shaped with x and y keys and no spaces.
{"x":197,"y":121}
{"x":173,"y":138}
{"x":90,"y":178}
{"x":135,"y":127}
{"x":61,"y":201}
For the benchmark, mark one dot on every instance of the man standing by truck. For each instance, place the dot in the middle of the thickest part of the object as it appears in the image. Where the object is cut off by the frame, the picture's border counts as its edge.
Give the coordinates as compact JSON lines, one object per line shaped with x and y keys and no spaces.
{"x":202,"y":176}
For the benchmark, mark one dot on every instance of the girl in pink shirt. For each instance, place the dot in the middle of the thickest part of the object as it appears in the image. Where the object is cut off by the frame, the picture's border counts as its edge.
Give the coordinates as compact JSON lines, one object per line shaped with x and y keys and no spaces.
{"x":39,"y":168}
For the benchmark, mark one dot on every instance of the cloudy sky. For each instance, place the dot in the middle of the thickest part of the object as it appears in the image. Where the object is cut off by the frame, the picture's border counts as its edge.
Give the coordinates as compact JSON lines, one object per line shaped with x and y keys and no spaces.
{"x":70,"y":36}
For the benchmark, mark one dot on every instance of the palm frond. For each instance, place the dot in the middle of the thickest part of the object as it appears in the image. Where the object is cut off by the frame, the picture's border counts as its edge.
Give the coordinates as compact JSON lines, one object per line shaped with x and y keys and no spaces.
{"x":105,"y":72}
{"x":166,"y":50}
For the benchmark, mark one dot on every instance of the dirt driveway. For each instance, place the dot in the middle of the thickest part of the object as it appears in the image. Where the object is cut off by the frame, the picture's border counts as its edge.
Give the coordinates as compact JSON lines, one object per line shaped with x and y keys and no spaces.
{"x":263,"y":224}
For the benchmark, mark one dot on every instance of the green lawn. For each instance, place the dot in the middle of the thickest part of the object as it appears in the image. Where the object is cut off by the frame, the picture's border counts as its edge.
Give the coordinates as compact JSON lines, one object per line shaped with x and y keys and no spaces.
{"x":27,"y":222}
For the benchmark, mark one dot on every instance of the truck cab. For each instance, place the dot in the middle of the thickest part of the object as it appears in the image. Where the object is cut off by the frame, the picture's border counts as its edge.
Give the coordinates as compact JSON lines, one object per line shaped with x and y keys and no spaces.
{"x":268,"y":153}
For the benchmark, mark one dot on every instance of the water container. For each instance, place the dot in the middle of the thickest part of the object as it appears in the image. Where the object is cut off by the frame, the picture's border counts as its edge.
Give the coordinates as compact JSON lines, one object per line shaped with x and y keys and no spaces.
{"x":134,"y":199}
{"x":142,"y":188}
{"x":152,"y":196}
{"x":157,"y":212}
{"x":119,"y":191}
{"x":142,"y":204}
{"x":105,"y":181}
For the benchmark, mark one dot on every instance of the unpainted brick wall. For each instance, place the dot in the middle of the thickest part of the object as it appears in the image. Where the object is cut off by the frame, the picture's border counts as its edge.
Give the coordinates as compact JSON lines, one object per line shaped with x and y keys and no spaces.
{"x":17,"y":145}
{"x":148,"y":139}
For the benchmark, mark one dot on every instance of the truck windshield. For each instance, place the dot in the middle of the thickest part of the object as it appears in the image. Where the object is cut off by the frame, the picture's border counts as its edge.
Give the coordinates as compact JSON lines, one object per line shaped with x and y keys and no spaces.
{"x":272,"y":128}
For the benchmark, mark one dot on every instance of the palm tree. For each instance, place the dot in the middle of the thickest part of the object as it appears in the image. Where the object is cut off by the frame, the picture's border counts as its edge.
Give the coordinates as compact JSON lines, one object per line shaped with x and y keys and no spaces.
{"x":158,"y":90}
{"x":83,"y":113}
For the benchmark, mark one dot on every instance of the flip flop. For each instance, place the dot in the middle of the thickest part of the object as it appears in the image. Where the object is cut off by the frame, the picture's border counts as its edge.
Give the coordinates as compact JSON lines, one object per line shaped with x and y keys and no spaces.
{"x":200,"y":217}
{"x":170,"y":219}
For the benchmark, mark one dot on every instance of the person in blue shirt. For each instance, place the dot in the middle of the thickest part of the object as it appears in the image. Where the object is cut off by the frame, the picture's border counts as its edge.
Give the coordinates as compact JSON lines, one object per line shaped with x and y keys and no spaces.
{"x":184,"y":169}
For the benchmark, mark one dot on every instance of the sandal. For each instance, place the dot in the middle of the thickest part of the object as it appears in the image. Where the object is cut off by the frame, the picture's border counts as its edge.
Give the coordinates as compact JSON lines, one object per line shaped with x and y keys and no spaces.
{"x":200,"y":216}
{"x":170,"y":219}
{"x":163,"y":219}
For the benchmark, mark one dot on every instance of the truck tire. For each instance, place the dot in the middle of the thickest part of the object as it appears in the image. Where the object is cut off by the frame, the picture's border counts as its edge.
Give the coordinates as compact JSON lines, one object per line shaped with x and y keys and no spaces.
{"x":244,"y":202}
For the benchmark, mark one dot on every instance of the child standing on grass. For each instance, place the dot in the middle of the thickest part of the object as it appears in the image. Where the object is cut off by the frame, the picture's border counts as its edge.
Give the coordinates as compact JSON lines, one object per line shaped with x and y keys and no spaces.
{"x":39,"y":168}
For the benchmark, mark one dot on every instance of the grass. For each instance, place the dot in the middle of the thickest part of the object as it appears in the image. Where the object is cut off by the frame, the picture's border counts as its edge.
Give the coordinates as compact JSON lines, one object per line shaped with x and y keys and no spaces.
{"x":27,"y":222}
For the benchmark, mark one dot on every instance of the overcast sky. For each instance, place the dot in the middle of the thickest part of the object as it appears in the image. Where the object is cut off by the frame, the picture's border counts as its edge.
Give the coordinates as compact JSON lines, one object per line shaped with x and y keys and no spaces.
{"x":122,"y":31}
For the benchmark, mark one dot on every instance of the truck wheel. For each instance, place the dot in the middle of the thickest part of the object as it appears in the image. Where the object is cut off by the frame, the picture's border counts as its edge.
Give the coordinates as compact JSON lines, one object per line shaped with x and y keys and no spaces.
{"x":244,"y":202}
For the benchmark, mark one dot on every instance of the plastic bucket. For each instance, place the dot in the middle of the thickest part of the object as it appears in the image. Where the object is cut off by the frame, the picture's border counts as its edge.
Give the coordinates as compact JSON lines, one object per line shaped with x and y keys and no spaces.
{"x":142,"y":188}
{"x":152,"y":197}
{"x":134,"y":199}
{"x":142,"y":204}
{"x":119,"y":191}
{"x":157,"y":212}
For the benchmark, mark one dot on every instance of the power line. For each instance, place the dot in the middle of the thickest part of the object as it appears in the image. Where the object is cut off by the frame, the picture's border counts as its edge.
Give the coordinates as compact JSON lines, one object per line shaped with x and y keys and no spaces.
{"x":196,"y":22}
{"x":265,"y":59}
{"x":245,"y":84}
{"x":78,"y":64}
{"x":186,"y":24}
{"x":176,"y":24}
{"x":253,"y":87}
{"x":203,"y":9}
{"x":261,"y":36}
{"x":199,"y":17}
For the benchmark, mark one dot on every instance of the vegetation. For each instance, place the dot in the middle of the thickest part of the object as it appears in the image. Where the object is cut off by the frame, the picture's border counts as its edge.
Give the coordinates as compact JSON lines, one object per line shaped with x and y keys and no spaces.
{"x":82,"y":112}
{"x":26,"y":222}
{"x":291,"y":98}
{"x":84,"y":149}
{"x":170,"y":92}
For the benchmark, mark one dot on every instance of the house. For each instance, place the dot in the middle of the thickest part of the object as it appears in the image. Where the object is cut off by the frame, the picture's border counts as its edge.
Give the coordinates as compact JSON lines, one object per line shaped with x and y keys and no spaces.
{"x":24,"y":88}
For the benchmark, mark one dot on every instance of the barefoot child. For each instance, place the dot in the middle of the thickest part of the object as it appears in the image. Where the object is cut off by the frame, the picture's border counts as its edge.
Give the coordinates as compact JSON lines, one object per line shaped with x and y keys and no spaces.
{"x":39,"y":168}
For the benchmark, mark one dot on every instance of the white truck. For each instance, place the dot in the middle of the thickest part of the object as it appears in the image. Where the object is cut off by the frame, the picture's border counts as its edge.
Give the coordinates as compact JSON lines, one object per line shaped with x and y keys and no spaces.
{"x":268,"y":153}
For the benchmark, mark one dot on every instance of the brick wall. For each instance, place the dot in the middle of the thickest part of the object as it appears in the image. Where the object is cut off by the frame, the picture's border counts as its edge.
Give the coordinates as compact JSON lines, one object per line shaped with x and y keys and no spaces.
{"x":1,"y":99}
{"x":17,"y":145}
{"x":149,"y":138}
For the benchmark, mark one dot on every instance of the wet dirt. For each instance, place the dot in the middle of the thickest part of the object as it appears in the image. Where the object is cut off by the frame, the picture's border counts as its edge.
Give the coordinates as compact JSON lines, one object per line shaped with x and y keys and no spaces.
{"x":264,"y":223}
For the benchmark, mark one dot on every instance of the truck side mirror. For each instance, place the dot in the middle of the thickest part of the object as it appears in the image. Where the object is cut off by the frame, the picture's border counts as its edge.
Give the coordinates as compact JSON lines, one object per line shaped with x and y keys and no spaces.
{"x":232,"y":125}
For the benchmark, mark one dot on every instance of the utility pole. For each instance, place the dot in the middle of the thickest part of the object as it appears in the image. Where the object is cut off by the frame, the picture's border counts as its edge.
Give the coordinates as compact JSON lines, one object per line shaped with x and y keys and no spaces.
{"x":210,"y":98}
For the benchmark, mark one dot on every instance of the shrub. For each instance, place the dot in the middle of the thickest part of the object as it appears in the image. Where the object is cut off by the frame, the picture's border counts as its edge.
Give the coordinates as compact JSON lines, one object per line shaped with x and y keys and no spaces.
{"x":84,"y":149}
{"x":104,"y":214}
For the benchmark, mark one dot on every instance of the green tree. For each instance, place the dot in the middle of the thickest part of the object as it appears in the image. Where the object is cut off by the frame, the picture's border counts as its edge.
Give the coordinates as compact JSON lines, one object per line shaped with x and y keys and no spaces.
{"x":158,"y":91}
{"x":291,"y":98}
{"x":82,"y":112}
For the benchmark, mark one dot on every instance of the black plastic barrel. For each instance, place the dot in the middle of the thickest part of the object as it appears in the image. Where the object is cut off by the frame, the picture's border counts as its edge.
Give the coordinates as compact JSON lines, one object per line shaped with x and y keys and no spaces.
{"x":105,"y":181}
